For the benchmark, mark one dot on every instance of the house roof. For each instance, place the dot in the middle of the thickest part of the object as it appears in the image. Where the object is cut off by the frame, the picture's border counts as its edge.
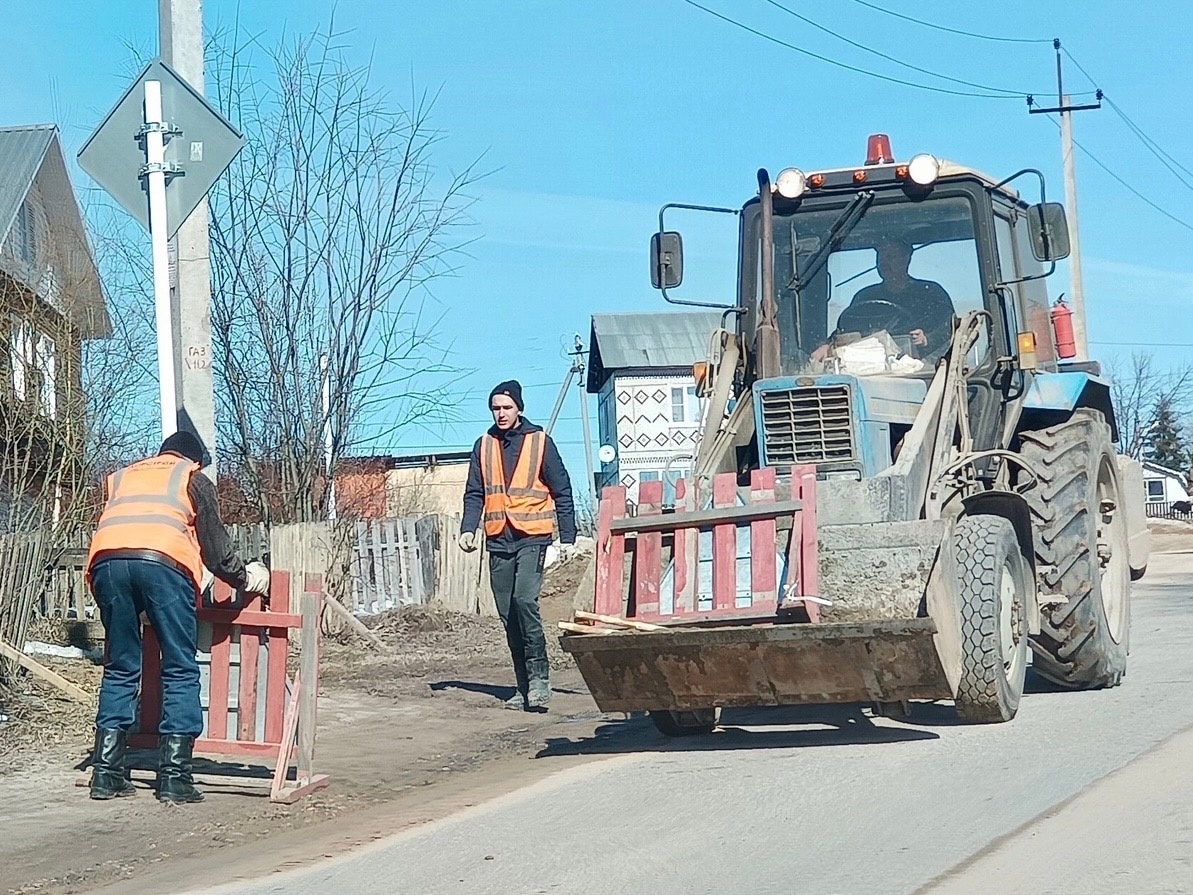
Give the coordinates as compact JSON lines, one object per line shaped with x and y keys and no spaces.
{"x":648,"y":341}
{"x":31,"y":155}
{"x":1163,"y":470}
{"x":22,"y":150}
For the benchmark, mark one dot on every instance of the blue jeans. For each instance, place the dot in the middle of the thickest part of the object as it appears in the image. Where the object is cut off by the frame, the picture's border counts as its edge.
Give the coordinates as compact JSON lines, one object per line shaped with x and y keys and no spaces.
{"x":124,"y":588}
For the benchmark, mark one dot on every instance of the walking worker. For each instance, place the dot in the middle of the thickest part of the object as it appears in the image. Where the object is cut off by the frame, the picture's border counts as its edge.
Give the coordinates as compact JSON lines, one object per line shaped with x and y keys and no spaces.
{"x":159,"y":529}
{"x":518,"y":486}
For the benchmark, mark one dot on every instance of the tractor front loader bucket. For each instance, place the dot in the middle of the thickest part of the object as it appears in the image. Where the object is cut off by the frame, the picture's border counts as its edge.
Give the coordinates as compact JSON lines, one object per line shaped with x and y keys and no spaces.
{"x":772,"y":664}
{"x":719,"y":606}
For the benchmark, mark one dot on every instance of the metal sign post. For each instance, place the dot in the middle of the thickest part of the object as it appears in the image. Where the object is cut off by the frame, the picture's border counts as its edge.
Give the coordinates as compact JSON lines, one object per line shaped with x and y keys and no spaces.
{"x":160,"y":170}
{"x":155,"y":134}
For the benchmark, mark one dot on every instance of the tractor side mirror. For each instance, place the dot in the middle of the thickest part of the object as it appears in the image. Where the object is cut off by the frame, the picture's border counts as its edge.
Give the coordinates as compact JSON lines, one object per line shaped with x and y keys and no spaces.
{"x":1049,"y":231}
{"x":666,"y":259}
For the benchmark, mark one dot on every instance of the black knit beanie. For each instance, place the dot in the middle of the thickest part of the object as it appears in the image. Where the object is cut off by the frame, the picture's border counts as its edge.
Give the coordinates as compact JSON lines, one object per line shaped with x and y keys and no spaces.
{"x":185,"y":443}
{"x":511,"y":389}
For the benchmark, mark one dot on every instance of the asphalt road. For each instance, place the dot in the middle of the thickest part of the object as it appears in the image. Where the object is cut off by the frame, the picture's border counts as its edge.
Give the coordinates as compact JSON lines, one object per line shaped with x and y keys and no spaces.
{"x":833,"y":802}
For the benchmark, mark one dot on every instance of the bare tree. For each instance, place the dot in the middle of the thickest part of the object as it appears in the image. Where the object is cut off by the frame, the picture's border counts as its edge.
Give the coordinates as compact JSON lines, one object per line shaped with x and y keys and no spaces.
{"x":324,"y":234}
{"x":1144,"y":394}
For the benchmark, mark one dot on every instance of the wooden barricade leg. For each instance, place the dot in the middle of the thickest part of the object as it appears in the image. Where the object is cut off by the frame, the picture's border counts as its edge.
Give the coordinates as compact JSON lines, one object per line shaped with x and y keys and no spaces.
{"x":648,"y":554}
{"x":724,"y":565}
{"x":610,"y":549}
{"x":687,"y":552}
{"x":763,"y":570}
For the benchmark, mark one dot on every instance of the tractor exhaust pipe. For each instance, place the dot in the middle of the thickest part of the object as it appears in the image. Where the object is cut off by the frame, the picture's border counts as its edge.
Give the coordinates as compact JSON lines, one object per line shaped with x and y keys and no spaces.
{"x":766,"y":334}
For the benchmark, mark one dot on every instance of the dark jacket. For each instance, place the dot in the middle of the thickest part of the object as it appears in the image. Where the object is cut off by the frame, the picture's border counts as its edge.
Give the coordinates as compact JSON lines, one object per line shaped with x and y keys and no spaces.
{"x":555,"y":477}
{"x":214,"y":544}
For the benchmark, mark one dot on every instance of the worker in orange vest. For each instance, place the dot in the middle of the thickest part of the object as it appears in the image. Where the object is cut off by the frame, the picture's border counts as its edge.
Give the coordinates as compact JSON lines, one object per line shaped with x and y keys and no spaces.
{"x":518,"y":488}
{"x":159,"y":528}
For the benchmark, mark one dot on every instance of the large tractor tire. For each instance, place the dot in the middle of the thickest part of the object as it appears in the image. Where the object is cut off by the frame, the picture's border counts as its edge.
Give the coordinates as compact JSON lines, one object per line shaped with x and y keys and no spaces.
{"x":1082,"y":548}
{"x":993,"y":584}
{"x":686,"y":724}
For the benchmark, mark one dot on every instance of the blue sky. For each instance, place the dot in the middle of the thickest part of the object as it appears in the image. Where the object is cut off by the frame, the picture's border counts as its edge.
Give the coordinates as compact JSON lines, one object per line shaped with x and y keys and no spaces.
{"x":591,"y":115}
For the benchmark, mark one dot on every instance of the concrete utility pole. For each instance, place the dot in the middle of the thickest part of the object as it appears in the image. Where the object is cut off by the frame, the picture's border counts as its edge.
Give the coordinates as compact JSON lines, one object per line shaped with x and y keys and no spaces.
{"x":1076,"y":287}
{"x":180,"y":24}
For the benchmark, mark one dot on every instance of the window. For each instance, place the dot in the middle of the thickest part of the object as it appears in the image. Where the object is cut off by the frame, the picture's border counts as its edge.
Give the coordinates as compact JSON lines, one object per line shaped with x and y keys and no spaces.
{"x":21,"y":355}
{"x":1155,"y":490}
{"x":47,"y":364}
{"x":677,"y":405}
{"x":25,"y":234}
{"x":649,"y":475}
{"x":685,"y":405}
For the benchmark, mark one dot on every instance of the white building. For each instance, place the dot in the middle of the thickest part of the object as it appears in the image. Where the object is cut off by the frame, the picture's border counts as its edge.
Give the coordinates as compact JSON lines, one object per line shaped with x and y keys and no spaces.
{"x":640,"y":367}
{"x":1163,"y":485}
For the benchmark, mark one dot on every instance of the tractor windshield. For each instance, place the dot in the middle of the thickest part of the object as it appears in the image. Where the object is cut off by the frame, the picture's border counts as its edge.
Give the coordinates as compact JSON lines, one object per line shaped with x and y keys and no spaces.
{"x":880,"y":294}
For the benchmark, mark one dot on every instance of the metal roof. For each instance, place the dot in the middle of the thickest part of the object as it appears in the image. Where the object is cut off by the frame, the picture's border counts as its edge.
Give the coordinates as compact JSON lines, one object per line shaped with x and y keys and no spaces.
{"x":31,"y":155}
{"x":648,"y":341}
{"x":22,"y":150}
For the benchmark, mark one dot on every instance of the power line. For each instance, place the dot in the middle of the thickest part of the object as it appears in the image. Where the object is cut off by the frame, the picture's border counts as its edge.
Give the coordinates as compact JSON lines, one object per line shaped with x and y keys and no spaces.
{"x":963,"y":33}
{"x":888,"y":58}
{"x":1178,"y":170}
{"x":1130,"y":189}
{"x":1174,"y":167}
{"x":853,"y":68}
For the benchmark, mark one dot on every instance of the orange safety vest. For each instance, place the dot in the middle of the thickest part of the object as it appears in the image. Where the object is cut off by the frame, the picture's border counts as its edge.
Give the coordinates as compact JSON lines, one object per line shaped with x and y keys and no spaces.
{"x":526,"y":505}
{"x":150,"y":508}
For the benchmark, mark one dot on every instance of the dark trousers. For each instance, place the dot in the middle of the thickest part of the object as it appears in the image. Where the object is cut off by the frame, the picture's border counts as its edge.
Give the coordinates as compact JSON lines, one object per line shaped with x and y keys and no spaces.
{"x":124,"y":588}
{"x":517,"y":579}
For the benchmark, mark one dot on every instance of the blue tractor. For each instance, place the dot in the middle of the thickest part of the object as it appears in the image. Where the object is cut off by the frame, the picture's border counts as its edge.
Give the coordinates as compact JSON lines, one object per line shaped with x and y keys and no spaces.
{"x":893,"y":332}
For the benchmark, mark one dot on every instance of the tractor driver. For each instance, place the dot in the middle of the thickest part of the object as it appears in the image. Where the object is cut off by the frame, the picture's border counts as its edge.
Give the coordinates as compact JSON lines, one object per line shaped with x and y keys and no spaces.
{"x":900,"y":303}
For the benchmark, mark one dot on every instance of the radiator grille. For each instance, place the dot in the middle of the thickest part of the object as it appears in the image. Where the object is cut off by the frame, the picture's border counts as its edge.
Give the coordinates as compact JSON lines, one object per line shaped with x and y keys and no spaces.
{"x":807,"y":425}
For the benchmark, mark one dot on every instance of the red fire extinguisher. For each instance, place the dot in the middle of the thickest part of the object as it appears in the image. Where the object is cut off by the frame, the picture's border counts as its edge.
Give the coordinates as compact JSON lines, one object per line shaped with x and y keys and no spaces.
{"x":1062,"y":329}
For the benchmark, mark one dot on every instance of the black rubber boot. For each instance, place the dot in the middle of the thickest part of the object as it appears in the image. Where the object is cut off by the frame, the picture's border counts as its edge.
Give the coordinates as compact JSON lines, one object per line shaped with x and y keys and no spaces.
{"x":175,"y":780}
{"x":108,"y":780}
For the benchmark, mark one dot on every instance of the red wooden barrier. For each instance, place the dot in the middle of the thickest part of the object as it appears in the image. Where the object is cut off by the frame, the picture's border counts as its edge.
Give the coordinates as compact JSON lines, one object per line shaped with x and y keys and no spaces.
{"x":646,"y":535}
{"x":268,"y":718}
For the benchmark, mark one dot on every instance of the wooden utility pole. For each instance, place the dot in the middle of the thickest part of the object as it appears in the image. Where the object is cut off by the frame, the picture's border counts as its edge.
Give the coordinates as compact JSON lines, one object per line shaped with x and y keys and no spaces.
{"x":1076,"y":287}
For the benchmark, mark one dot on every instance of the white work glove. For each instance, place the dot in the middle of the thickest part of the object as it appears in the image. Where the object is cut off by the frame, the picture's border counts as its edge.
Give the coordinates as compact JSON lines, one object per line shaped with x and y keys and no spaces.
{"x":566,"y":552}
{"x":256,"y":578}
{"x":468,"y":541}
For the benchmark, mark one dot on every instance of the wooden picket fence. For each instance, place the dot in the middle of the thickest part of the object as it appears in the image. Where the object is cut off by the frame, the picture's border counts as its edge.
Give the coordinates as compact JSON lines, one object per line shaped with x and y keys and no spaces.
{"x":390,"y":563}
{"x":23,"y":559}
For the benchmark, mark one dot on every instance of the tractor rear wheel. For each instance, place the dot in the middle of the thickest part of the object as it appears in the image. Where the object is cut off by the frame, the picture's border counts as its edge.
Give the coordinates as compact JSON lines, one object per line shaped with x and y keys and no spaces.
{"x":993,"y":583}
{"x":685,"y":724}
{"x":1082,"y":549}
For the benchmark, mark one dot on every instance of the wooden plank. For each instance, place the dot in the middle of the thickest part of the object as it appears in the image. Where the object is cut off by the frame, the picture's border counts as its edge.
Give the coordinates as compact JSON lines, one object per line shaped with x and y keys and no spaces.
{"x":616,"y":621}
{"x":686,"y":551}
{"x":75,"y":692}
{"x":648,"y":554}
{"x":705,"y":518}
{"x":724,"y":544}
{"x":308,"y":698}
{"x":610,"y":549}
{"x":151,"y":681}
{"x":573,"y":628}
{"x":354,"y":623}
{"x":285,"y":742}
{"x":275,"y":684}
{"x":219,"y":682}
{"x":246,"y":699}
{"x":255,"y":617}
{"x":764,"y":582}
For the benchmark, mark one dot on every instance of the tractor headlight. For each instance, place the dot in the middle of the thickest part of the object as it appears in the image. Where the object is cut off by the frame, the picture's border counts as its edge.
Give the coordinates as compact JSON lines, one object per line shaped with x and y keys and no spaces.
{"x":923,"y":169}
{"x":791,"y":183}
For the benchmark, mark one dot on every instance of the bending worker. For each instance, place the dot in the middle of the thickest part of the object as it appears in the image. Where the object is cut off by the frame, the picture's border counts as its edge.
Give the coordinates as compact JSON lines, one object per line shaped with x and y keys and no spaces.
{"x":517,"y":480}
{"x":159,"y":528}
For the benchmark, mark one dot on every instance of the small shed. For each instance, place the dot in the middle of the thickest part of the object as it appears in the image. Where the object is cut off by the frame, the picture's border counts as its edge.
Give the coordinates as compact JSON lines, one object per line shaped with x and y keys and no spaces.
{"x":649,"y":412}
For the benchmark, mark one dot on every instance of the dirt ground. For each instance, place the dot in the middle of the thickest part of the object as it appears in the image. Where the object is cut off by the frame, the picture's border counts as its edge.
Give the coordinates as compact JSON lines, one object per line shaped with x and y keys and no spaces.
{"x":404,"y":737}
